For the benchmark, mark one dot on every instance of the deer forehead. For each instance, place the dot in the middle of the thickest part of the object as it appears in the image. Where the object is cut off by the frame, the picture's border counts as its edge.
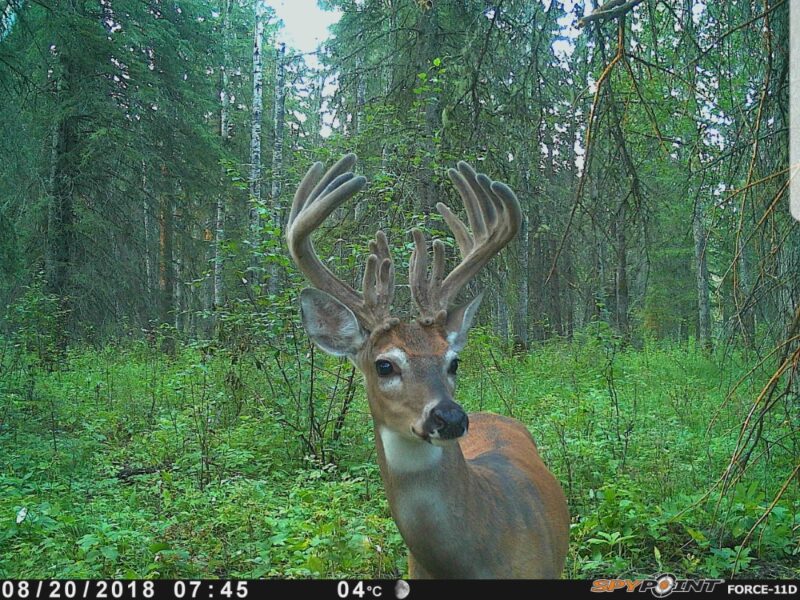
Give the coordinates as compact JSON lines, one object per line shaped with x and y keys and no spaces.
{"x":412,"y":340}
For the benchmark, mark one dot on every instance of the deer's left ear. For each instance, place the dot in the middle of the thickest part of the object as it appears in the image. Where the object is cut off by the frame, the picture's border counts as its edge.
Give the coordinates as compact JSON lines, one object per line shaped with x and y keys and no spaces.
{"x":459,"y":320}
{"x":330,"y":324}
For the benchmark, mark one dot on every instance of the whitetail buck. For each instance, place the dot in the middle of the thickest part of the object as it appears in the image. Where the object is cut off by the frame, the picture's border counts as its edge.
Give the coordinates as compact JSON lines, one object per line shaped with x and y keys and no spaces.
{"x":481,"y":505}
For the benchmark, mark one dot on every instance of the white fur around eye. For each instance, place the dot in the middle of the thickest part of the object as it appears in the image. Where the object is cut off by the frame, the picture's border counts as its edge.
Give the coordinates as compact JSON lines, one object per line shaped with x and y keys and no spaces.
{"x":391,"y":383}
{"x":395,"y":356}
{"x":398,"y":358}
{"x":449,"y":357}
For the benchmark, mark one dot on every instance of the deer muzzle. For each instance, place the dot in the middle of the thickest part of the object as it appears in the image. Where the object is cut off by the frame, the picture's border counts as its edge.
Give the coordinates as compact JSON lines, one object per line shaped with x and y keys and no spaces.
{"x":446,"y":421}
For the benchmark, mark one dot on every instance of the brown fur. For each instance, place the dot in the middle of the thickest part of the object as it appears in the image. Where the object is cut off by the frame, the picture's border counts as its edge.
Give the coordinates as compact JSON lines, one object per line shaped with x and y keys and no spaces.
{"x":489,"y":508}
{"x":482,"y":506}
{"x":421,"y":344}
{"x":416,"y":340}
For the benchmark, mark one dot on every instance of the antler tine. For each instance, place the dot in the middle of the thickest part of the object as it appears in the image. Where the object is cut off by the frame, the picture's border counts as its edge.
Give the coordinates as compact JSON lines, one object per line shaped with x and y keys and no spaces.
{"x":494,"y":215}
{"x":379,"y":278}
{"x":497,"y":217}
{"x":418,"y":271}
{"x":314,"y":183}
{"x":316,"y":198}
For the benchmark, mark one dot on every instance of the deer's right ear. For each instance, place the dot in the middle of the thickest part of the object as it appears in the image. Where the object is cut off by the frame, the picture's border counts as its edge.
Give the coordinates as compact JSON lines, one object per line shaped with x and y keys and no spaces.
{"x":330,"y":324}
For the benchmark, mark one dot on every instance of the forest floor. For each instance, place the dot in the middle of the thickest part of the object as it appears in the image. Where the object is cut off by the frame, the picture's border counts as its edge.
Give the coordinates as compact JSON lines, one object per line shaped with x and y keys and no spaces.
{"x":126,"y":462}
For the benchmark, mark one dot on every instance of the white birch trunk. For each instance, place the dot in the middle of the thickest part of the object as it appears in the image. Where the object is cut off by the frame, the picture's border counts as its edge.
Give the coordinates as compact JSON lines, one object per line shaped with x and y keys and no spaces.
{"x":273,"y":283}
{"x":224,"y":131}
{"x":255,"y":130}
{"x":701,"y":267}
{"x":698,"y":227}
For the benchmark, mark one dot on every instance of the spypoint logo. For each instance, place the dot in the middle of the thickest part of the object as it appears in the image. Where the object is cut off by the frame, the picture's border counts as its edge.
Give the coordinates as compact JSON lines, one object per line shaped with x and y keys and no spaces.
{"x":661,"y":587}
{"x":665,"y":584}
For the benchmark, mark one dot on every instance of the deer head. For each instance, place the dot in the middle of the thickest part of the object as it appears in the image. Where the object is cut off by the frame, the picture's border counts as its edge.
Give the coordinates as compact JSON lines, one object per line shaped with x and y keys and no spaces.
{"x":409,"y":367}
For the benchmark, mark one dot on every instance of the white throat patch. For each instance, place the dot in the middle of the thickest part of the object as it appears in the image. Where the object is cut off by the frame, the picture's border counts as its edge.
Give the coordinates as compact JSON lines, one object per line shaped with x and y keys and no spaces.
{"x":407,"y":456}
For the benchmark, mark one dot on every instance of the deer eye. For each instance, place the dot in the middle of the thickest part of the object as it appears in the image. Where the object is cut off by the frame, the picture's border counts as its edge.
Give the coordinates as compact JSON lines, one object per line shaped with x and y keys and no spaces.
{"x":453,"y":367}
{"x":384,"y":368}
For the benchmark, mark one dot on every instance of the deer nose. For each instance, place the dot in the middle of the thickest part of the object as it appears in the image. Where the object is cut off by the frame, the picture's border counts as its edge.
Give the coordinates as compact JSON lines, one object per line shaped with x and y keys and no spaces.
{"x":449,"y":420}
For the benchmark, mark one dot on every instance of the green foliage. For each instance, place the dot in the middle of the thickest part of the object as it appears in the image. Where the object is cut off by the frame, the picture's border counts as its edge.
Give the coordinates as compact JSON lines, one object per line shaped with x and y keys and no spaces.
{"x":629,"y":434}
{"x":244,"y":451}
{"x":34,"y":320}
{"x":157,"y":470}
{"x":191,"y":466}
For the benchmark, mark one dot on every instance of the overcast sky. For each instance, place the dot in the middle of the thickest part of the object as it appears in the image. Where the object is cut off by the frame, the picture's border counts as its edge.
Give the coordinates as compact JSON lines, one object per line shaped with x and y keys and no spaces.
{"x":305,"y":24}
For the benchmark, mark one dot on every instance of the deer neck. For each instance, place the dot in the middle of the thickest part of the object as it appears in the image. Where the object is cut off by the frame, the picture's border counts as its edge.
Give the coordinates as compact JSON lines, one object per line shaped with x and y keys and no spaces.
{"x":420,"y":478}
{"x":406,"y":460}
{"x":426,"y":486}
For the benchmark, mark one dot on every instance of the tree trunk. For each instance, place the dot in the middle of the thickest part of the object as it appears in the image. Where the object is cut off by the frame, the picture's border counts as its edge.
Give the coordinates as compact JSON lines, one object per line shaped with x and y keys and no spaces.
{"x":358,"y":125}
{"x":698,"y":226}
{"x":539,"y":269}
{"x":55,"y":146}
{"x":60,"y":224}
{"x":226,"y":60}
{"x":567,"y":301}
{"x":553,"y":297}
{"x":166,"y":274}
{"x":273,"y":283}
{"x":701,"y":268}
{"x":789,"y":295}
{"x":621,"y":279}
{"x":741,"y":292}
{"x":146,"y":226}
{"x":60,"y":221}
{"x":429,"y":45}
{"x":519,"y":322}
{"x":501,"y":325}
{"x":219,"y":226}
{"x":255,"y":134}
{"x":179,"y":300}
{"x":224,"y":132}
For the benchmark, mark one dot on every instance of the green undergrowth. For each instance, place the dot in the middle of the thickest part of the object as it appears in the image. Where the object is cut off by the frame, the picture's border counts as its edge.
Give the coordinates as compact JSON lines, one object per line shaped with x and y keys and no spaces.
{"x":238,"y":463}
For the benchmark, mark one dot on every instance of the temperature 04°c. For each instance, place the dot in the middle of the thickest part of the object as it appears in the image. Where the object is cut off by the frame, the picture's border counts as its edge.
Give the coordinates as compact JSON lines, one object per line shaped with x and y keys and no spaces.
{"x":359,"y":590}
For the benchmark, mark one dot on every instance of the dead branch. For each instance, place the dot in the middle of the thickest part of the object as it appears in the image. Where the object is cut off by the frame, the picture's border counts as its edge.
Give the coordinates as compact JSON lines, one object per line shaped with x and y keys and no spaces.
{"x":609,"y":10}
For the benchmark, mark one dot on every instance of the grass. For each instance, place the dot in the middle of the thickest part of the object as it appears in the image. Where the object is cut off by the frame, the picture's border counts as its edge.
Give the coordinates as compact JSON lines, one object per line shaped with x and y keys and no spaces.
{"x":215,"y":463}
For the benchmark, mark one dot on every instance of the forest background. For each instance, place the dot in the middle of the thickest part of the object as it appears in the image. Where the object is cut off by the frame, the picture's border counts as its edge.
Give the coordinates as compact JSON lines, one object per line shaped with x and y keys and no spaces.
{"x":162,"y":413}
